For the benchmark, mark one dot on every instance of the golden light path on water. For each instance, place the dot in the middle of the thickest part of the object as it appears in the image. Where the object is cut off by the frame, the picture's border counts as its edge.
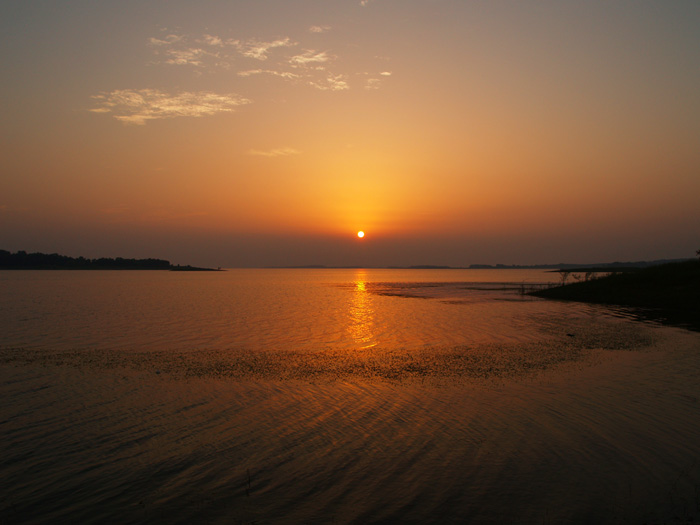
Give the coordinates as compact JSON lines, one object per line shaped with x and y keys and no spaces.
{"x":361,"y":313}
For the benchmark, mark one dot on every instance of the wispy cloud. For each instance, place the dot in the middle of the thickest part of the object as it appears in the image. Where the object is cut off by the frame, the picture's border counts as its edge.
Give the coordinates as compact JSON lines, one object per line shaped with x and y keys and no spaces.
{"x":209,"y":52}
{"x":166,"y":41}
{"x":310,"y":57}
{"x":376,"y":83}
{"x":191,"y":56}
{"x":331,"y":83}
{"x":137,"y":106}
{"x":283,"y":74}
{"x":181,"y":50}
{"x":364,"y":2}
{"x":260,"y":50}
{"x":278,"y":152}
{"x":188,"y":50}
{"x":212,"y":40}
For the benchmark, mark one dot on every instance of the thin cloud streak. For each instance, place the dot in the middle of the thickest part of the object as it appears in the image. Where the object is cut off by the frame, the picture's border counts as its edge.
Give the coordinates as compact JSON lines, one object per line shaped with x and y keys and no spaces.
{"x":168,"y":40}
{"x":138,"y":106}
{"x":283,"y":74}
{"x":310,"y":57}
{"x":278,"y":152}
{"x":191,"y":57}
{"x":260,"y":50}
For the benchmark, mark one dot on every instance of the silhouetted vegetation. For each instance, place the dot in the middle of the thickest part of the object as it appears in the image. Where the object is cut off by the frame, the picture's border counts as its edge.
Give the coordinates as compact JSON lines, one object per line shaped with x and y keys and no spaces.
{"x":41,"y":261}
{"x":667,"y":291}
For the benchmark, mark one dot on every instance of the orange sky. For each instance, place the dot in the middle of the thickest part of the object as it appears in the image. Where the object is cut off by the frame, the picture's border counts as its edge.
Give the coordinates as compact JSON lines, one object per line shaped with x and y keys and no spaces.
{"x":270,"y":132}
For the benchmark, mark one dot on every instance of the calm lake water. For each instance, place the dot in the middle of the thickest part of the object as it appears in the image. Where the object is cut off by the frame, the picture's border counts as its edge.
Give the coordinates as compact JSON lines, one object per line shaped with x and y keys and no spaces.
{"x":338,"y":396}
{"x":269,"y":309}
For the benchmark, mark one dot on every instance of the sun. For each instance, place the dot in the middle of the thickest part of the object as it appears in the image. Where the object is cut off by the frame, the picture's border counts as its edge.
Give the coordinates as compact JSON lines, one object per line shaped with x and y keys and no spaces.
{"x":360,"y":234}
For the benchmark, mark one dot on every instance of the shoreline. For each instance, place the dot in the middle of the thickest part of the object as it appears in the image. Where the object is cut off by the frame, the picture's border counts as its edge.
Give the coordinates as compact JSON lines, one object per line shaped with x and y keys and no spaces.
{"x":668,"y":293}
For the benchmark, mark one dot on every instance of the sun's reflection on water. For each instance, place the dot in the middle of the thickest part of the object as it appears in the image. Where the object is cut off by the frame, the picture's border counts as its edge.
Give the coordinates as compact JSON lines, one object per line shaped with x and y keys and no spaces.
{"x":361,"y":313}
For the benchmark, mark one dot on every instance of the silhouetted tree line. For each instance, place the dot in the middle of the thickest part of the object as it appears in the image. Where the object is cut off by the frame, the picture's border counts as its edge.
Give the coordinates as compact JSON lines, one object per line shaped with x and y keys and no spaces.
{"x":42,"y":261}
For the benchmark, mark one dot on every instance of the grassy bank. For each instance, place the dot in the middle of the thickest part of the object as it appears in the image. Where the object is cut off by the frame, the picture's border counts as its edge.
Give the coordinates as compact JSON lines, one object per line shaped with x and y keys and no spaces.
{"x":668,"y":291}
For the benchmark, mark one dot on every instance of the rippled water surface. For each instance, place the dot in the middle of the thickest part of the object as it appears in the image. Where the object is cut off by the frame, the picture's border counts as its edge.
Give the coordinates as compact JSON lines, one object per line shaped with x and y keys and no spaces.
{"x":264,"y":309}
{"x":346,"y":396}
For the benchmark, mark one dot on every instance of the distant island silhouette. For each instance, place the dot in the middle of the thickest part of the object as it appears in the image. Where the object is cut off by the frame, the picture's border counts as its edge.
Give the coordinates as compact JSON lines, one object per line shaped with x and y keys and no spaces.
{"x":22,"y":260}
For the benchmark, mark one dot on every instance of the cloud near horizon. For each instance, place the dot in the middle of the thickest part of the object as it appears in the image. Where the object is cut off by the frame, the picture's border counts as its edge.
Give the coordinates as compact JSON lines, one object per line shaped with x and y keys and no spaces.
{"x":278,"y":152}
{"x":137,"y":106}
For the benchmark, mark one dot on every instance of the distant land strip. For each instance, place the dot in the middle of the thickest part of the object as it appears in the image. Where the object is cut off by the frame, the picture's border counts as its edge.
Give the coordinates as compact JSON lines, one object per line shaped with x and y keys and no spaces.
{"x":42,"y":261}
{"x":570,"y":267}
{"x":22,"y":260}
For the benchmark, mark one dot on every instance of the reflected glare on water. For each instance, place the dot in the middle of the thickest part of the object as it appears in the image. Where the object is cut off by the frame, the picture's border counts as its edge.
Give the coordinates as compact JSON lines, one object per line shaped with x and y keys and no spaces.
{"x":361,"y":314}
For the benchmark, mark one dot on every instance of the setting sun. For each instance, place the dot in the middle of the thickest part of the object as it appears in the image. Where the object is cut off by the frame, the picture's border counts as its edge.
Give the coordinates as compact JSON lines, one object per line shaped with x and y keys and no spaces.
{"x":360,"y":234}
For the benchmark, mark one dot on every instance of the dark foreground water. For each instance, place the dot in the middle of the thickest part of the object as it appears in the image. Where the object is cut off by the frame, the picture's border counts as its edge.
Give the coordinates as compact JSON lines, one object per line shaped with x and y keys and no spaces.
{"x":312,"y":397}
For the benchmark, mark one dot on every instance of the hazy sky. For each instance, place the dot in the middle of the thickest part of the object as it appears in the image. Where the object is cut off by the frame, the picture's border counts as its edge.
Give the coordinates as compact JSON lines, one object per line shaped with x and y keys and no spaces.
{"x":268,"y":132}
